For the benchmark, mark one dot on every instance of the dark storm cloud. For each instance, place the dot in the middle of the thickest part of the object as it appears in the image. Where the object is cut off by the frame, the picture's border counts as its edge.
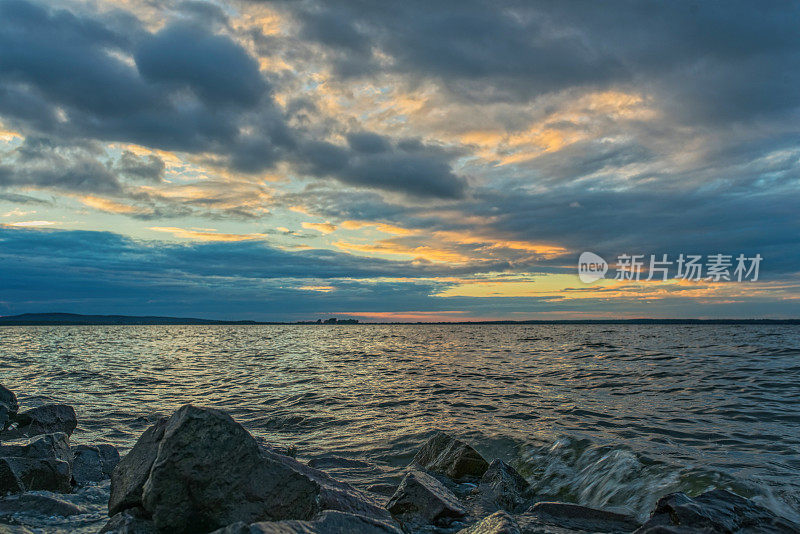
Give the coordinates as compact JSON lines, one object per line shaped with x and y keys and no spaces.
{"x":184,"y":88}
{"x":213,"y":66}
{"x":707,"y":60}
{"x":372,"y":161}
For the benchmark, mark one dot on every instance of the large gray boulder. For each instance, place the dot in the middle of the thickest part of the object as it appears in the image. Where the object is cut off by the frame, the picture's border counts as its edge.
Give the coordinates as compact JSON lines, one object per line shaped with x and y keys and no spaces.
{"x":37,"y":504}
{"x":500,"y":522}
{"x":716,"y":511}
{"x":200,"y":470}
{"x":93,"y":463}
{"x":330,"y":522}
{"x":27,"y":474}
{"x":8,"y":406}
{"x":130,"y":474}
{"x":445,"y":455}
{"x":421,"y":500}
{"x":501,"y":486}
{"x":47,"y":419}
{"x":582,"y":518}
{"x":55,"y":446}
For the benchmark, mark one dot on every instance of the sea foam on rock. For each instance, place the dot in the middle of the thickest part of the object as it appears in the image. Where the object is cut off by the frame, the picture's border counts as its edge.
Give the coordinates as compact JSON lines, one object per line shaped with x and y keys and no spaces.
{"x":199,"y":471}
{"x":716,"y":511}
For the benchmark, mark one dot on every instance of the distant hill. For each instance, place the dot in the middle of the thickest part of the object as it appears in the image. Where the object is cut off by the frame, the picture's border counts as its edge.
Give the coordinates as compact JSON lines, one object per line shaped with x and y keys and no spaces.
{"x":55,"y":319}
{"x":76,"y":319}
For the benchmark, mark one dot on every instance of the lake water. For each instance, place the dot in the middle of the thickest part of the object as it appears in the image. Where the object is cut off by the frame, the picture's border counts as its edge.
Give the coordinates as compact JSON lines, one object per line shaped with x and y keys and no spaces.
{"x":605,"y":415}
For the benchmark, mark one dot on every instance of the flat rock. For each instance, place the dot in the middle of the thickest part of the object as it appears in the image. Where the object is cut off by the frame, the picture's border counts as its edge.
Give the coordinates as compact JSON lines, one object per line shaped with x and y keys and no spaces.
{"x":130,"y":474}
{"x":27,"y":474}
{"x":714,"y":511}
{"x":501,"y":486}
{"x":93,"y":463}
{"x":8,"y":406}
{"x":131,"y":521}
{"x":420,"y":499}
{"x":47,"y":419}
{"x":574,"y":516}
{"x":445,"y":455}
{"x":37,"y":504}
{"x":55,"y":446}
{"x":329,"y":522}
{"x":500,"y":522}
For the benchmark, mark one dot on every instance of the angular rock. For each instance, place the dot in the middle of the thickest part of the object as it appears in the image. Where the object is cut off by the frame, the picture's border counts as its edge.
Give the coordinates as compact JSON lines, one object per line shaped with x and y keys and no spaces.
{"x":500,"y":522}
{"x":503,"y":487}
{"x":93,"y":463}
{"x":8,"y":406}
{"x":714,"y":511}
{"x":129,"y":476}
{"x":28,"y":474}
{"x":445,"y":455}
{"x":420,"y":500}
{"x":55,"y":446}
{"x":131,"y":521}
{"x":47,"y":419}
{"x":199,"y":470}
{"x":38,"y":504}
{"x":330,"y":522}
{"x":574,"y":516}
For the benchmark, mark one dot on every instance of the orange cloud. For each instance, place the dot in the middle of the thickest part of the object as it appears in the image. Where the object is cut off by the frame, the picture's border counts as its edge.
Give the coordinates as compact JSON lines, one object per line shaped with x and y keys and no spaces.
{"x":206,"y":235}
{"x":324,"y":228}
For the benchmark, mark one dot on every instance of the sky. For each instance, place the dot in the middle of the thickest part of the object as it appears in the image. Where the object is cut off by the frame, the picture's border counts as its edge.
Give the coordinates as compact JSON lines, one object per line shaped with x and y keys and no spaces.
{"x":396,"y":161}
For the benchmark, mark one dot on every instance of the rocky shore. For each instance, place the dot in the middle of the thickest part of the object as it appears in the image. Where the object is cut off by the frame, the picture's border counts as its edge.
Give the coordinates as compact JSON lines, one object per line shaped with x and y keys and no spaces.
{"x":199,"y":471}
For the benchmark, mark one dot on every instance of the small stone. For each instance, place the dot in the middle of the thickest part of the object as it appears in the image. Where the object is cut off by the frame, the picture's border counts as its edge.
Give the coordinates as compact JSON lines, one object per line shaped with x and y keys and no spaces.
{"x":502,"y":486}
{"x":131,"y":521}
{"x":330,"y":522}
{"x":93,"y":463}
{"x":48,"y":419}
{"x":500,"y":522}
{"x":574,"y":516}
{"x":55,"y":446}
{"x":38,"y":504}
{"x":445,"y":455}
{"x":420,"y":499}
{"x":715,"y":511}
{"x":8,"y":407}
{"x":27,"y":474}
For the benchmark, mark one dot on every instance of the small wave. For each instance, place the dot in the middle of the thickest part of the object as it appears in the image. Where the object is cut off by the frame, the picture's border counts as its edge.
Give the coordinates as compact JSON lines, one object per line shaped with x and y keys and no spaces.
{"x":619,"y":479}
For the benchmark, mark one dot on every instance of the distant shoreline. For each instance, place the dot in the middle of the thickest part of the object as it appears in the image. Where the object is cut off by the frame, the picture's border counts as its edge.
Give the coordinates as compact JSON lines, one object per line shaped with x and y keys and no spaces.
{"x":70,"y":319}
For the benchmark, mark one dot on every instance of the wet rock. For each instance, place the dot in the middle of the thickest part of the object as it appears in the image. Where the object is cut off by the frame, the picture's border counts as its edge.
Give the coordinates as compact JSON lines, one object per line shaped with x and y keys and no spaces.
{"x":574,"y":516}
{"x":445,"y":455}
{"x":8,"y":407}
{"x":330,"y":522}
{"x":128,"y":478}
{"x":500,"y":522}
{"x":131,"y":521}
{"x":27,"y":474}
{"x":382,"y":488}
{"x":714,"y":511}
{"x":200,"y":470}
{"x":93,"y":463}
{"x":55,"y":446}
{"x":47,"y":419}
{"x":14,"y":529}
{"x":37,"y":504}
{"x":420,"y":499}
{"x":503,"y":487}
{"x":328,"y":462}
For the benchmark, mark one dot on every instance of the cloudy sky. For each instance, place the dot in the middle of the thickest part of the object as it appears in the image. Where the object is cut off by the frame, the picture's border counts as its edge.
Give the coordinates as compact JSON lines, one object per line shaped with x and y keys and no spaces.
{"x":406,"y":160}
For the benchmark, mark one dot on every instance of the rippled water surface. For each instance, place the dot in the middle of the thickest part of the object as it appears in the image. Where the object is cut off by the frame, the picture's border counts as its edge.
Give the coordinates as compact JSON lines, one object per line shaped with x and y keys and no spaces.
{"x":605,"y":415}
